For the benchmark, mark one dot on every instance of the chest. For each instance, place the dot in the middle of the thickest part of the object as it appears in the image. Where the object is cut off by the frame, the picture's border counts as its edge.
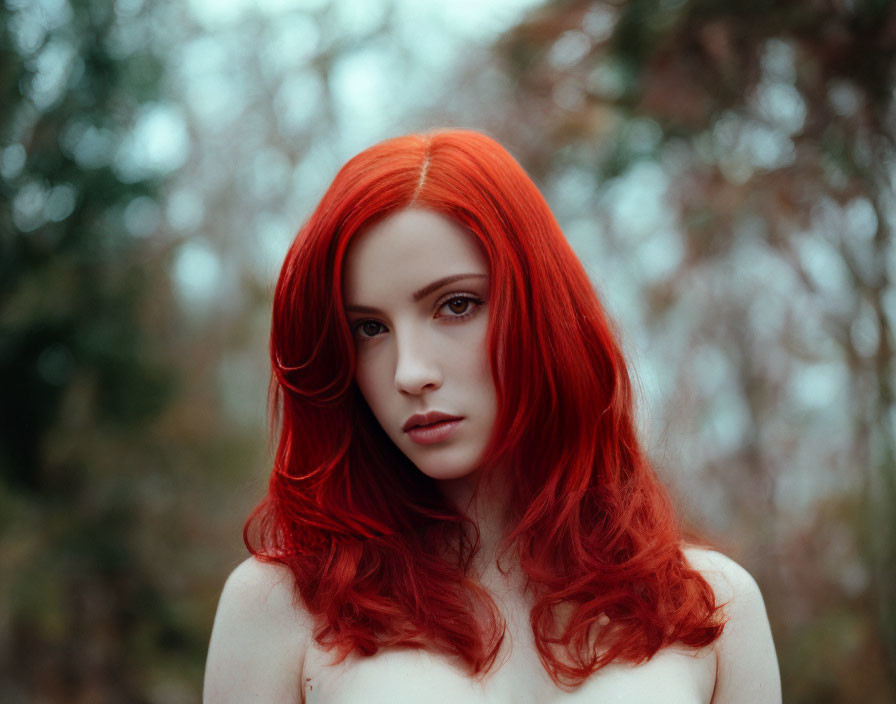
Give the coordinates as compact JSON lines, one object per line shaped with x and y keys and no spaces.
{"x":402,"y":676}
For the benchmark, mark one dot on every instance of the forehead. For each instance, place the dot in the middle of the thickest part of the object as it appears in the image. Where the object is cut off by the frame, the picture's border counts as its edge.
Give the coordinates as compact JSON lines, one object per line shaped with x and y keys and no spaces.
{"x":409,"y":249}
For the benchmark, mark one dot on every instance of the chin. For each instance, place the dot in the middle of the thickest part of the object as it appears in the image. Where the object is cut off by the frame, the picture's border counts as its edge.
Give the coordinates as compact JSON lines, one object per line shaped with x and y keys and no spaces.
{"x":447,"y":473}
{"x":447,"y":468}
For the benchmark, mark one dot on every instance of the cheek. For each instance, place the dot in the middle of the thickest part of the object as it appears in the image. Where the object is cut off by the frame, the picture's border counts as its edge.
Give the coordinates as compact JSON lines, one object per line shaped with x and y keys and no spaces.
{"x":487,"y":384}
{"x":370,"y":382}
{"x":482,"y":365}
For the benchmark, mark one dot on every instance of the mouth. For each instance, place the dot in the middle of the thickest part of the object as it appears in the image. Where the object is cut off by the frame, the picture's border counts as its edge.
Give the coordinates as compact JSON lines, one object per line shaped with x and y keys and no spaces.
{"x":432,"y":433}
{"x":422,"y":420}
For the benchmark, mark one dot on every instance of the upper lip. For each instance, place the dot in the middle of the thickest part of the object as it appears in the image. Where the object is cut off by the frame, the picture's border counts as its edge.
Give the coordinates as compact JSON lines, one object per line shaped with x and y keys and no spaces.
{"x":426,"y":419}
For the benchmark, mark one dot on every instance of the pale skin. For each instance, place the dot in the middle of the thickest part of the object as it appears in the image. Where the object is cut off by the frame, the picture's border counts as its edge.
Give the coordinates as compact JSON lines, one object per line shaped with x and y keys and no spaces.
{"x":428,"y":353}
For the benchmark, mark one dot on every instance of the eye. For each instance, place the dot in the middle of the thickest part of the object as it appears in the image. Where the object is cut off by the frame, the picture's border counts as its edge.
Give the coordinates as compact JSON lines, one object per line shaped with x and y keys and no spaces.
{"x":367,"y":329}
{"x":460,"y":306}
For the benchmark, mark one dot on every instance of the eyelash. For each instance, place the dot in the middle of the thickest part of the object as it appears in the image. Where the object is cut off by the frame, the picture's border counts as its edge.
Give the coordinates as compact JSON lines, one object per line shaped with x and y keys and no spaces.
{"x":475,"y":300}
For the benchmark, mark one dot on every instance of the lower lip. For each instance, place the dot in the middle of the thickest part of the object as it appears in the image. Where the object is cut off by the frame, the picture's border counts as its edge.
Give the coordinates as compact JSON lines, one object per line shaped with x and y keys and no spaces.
{"x":437,"y":432}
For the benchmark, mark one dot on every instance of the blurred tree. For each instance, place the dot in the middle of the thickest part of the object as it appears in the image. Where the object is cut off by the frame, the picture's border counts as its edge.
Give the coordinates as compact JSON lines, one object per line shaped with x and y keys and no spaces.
{"x":135,"y":289}
{"x":762,"y":137}
{"x":83,"y":608}
{"x":736,"y":160}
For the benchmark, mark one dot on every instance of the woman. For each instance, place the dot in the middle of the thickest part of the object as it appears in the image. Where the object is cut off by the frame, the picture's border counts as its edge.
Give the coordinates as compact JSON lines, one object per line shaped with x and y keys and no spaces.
{"x":460,"y":510}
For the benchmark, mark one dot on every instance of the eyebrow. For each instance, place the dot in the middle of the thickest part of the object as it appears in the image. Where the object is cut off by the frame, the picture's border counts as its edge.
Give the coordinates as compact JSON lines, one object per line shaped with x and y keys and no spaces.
{"x":423,"y":292}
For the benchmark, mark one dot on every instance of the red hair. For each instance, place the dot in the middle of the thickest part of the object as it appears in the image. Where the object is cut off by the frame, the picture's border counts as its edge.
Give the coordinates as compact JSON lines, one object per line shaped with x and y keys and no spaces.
{"x":380,"y":558}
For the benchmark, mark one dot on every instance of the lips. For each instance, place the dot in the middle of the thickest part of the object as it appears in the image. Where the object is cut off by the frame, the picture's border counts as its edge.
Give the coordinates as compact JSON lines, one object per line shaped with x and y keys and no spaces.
{"x":423,"y":419}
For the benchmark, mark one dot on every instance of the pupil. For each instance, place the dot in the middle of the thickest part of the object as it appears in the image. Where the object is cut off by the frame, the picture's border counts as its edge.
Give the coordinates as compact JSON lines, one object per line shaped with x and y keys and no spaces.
{"x":458,"y":303}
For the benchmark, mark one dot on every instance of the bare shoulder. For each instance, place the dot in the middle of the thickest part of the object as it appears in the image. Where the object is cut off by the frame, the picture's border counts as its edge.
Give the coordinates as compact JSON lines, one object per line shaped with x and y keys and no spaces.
{"x":728,"y":579}
{"x":259,"y":638}
{"x":747,"y":666}
{"x":263,"y":588}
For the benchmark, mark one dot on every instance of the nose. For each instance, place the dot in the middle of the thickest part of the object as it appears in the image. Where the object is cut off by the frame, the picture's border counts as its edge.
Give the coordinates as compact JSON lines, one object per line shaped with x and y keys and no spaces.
{"x":416,"y":367}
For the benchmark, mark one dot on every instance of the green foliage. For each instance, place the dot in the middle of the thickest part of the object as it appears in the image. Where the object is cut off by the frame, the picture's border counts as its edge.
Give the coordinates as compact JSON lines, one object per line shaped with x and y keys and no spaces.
{"x":82,"y":378}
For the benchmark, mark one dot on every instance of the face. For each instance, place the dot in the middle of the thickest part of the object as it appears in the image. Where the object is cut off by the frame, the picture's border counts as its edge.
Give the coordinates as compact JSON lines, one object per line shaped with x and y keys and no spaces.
{"x":416,"y":289}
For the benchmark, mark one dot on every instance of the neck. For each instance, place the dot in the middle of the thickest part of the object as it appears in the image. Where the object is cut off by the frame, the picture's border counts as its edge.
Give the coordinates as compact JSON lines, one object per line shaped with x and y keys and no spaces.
{"x":487,"y":505}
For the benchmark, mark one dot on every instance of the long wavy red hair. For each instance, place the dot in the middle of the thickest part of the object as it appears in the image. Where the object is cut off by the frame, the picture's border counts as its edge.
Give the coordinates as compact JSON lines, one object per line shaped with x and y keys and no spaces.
{"x":380,"y":558}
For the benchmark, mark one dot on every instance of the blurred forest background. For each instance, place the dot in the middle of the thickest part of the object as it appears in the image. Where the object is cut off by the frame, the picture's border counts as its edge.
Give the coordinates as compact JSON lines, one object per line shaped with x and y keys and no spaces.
{"x":725,"y":169}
